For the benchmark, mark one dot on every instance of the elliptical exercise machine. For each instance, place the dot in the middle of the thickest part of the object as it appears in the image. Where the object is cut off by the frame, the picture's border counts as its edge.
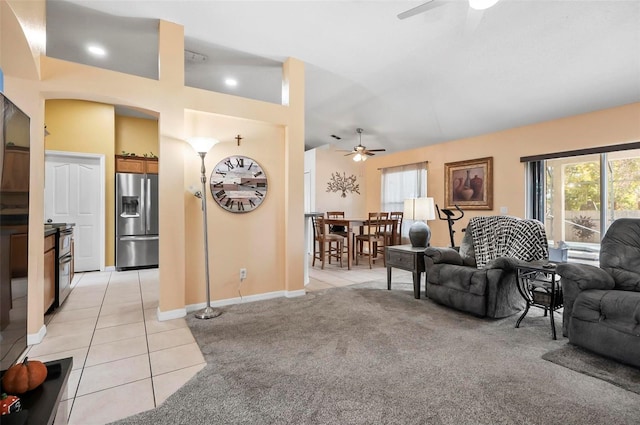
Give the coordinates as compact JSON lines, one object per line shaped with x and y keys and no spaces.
{"x":451,"y":218}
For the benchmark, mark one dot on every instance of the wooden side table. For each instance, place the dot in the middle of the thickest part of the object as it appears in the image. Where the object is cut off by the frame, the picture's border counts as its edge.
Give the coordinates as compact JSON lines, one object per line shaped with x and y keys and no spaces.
{"x":405,"y":257}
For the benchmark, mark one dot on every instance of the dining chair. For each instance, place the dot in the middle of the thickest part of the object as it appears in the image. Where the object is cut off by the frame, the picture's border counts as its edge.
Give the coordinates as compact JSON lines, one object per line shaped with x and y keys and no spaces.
{"x":324,"y":241}
{"x":340,"y":230}
{"x":373,"y":236}
{"x":393,"y":236}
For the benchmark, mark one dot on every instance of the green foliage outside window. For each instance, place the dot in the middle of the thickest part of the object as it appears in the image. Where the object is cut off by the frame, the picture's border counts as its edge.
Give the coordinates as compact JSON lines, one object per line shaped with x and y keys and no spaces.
{"x":582,"y":185}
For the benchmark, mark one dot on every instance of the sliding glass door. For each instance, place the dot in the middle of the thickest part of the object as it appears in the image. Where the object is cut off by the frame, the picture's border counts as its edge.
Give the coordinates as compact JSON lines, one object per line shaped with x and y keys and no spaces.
{"x":582,"y":195}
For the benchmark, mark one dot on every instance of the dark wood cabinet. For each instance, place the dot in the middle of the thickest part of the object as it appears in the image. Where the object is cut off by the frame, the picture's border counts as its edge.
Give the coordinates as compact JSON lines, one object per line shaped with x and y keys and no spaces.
{"x":19,"y":254}
{"x":15,"y":174}
{"x":49,"y":271}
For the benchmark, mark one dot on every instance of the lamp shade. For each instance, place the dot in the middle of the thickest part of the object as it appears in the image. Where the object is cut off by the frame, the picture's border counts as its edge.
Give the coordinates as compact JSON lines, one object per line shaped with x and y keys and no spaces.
{"x":202,"y":144}
{"x":419,"y":209}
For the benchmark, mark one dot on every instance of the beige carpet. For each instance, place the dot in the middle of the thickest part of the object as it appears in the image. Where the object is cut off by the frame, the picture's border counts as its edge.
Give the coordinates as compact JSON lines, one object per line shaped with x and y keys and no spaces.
{"x":365,"y":355}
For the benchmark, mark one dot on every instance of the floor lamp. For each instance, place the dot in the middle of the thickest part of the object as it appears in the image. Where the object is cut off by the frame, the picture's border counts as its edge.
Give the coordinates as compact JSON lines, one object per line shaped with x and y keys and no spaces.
{"x":202,"y":145}
{"x":419,"y":209}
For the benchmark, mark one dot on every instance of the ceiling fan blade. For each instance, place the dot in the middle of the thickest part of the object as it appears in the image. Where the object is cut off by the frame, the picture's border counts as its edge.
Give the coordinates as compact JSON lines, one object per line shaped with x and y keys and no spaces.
{"x":376,"y":150}
{"x":369,"y":153}
{"x":431,"y":4}
{"x":350,"y":153}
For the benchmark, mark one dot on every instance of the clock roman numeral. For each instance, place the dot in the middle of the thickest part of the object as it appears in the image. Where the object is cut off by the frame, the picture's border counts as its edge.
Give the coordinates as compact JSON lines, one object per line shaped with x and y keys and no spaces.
{"x":217,"y":184}
{"x":222,"y":173}
{"x":253,"y":204}
{"x":221,"y":194}
{"x":259,"y":173}
{"x":228,"y":164}
{"x":240,"y":206}
{"x":229,"y":203}
{"x":240,"y":162}
{"x":259,"y":194}
{"x":251,"y":165}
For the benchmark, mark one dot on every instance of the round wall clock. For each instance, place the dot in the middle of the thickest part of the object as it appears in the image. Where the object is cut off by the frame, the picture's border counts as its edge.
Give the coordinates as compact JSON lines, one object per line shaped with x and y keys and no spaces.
{"x":238,"y":184}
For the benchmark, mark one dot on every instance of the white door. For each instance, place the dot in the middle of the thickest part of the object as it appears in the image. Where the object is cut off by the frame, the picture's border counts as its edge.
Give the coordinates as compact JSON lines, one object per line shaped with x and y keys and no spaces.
{"x":74,"y":193}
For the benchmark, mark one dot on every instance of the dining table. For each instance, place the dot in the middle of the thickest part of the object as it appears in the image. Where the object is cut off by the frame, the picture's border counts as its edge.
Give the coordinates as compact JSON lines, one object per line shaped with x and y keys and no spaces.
{"x":350,"y":224}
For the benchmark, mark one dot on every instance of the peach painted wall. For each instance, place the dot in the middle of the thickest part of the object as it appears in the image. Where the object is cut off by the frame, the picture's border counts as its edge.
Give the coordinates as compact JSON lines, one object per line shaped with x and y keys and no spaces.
{"x":273,"y":132}
{"x":19,"y":56}
{"x":236,"y":240}
{"x":136,"y":135}
{"x":601,"y":128}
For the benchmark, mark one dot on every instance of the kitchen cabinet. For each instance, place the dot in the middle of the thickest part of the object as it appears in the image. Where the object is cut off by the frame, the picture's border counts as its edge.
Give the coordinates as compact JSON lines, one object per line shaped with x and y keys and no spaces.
{"x":19,"y":254}
{"x":136,"y":164}
{"x":49,"y":271}
{"x":151,"y":165}
{"x":15,"y":174}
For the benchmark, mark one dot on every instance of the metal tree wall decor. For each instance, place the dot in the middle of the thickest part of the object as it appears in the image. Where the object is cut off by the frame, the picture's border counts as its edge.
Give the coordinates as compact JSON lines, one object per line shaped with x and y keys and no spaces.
{"x":342,"y":183}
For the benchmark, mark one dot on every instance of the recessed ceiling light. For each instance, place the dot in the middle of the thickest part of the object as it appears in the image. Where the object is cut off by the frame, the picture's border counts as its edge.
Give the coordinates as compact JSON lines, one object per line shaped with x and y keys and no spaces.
{"x":96,"y":50}
{"x":231,"y":82}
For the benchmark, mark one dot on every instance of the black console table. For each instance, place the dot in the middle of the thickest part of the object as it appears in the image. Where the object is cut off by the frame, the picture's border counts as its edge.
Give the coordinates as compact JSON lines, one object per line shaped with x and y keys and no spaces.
{"x":405,"y":257}
{"x":39,"y":406}
{"x":540,"y":286}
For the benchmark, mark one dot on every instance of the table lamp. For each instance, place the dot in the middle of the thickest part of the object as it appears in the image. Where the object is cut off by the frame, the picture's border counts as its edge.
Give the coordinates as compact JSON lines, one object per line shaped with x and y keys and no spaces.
{"x":420,"y":210}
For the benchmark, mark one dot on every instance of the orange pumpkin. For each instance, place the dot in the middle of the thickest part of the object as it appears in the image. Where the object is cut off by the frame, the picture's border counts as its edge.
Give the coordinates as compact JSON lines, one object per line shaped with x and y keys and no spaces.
{"x":23,"y":377}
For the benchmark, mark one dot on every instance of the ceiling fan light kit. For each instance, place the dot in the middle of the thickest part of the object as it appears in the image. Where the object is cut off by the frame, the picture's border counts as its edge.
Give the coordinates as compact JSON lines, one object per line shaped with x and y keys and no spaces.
{"x":359,"y":157}
{"x":361,"y":152}
{"x":482,"y":4}
{"x":432,"y":4}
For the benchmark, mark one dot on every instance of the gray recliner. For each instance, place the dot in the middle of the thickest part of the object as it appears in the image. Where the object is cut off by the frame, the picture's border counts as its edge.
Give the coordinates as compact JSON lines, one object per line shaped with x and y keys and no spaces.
{"x":481,"y":278}
{"x":602,"y":305}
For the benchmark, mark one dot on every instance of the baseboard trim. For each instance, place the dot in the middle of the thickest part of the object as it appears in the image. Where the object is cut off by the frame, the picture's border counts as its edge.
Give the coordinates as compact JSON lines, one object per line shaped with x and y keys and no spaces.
{"x":33,"y":339}
{"x":249,"y":298}
{"x":293,"y":294}
{"x":171,"y":314}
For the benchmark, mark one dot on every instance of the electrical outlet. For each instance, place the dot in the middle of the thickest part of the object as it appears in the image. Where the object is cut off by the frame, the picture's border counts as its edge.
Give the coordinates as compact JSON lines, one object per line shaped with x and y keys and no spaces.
{"x":243,"y":274}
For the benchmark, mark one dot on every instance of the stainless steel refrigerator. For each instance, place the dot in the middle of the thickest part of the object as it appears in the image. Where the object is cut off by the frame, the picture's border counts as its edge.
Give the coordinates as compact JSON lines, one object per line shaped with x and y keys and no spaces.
{"x":136,"y":220}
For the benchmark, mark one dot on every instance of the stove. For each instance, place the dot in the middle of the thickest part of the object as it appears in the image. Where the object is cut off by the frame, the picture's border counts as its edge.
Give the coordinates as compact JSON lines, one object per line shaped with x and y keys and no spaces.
{"x":64,"y":264}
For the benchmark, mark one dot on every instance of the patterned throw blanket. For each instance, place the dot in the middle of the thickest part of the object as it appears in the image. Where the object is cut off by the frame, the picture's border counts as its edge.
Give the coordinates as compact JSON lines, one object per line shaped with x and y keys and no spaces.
{"x":505,"y":236}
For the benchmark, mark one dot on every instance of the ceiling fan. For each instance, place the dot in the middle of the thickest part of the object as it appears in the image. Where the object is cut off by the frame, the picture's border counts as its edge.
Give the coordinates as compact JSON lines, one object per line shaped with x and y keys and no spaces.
{"x":361,"y":152}
{"x":432,"y":4}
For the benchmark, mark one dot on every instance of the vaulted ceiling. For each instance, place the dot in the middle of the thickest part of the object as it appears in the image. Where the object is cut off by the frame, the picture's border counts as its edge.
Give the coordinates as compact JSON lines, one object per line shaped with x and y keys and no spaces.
{"x":447,"y":73}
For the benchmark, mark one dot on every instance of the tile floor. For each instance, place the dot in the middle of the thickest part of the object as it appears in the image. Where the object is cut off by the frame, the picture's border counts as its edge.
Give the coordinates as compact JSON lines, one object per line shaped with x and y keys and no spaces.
{"x":124,"y":360}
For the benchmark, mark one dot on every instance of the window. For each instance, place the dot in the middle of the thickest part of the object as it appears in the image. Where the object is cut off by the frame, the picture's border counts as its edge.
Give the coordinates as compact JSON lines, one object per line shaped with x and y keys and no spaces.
{"x":400,"y":183}
{"x":579,"y":196}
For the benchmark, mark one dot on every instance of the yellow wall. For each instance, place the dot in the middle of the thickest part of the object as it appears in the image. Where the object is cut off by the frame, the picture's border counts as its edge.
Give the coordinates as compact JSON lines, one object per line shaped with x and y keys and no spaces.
{"x":601,"y":128}
{"x":272,"y":132}
{"x":136,"y":135}
{"x":87,"y":127}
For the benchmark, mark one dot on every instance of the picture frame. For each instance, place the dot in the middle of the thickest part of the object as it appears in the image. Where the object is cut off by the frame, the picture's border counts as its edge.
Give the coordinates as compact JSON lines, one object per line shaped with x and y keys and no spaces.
{"x":469,"y":184}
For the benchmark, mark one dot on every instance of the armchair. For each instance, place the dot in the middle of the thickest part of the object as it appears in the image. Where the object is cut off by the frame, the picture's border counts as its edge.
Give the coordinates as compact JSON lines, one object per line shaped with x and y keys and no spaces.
{"x":602,"y":305}
{"x":481,"y":278}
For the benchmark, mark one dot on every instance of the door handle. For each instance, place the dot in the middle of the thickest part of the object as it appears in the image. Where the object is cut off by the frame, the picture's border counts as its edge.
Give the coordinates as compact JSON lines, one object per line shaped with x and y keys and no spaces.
{"x":138,"y":238}
{"x":148,"y":210}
